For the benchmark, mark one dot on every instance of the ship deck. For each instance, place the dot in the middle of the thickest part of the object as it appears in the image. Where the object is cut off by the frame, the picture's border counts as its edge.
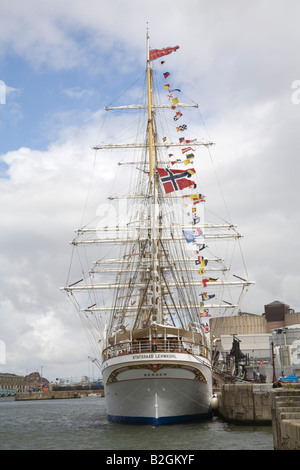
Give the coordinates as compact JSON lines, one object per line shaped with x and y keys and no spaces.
{"x":155,"y":345}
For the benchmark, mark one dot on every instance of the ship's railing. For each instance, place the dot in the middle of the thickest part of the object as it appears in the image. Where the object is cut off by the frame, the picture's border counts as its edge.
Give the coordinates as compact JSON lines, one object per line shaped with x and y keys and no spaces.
{"x":157,"y":345}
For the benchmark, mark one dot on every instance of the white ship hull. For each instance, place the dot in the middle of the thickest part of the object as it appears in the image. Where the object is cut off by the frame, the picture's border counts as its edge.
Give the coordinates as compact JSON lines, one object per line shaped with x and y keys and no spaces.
{"x":157,"y":388}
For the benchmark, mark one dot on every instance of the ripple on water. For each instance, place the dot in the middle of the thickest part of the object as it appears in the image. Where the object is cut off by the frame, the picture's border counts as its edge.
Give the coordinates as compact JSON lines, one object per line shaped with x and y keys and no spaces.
{"x":82,"y":424}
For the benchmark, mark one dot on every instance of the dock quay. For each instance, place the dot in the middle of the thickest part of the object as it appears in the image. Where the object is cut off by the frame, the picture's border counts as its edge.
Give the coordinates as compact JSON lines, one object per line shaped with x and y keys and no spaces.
{"x":285,"y":409}
{"x":57,"y":394}
{"x":261,"y":404}
{"x":245,"y":403}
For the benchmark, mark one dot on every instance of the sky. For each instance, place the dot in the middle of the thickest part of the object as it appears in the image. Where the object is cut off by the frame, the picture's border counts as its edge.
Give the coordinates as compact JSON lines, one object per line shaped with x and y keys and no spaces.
{"x":61,"y":63}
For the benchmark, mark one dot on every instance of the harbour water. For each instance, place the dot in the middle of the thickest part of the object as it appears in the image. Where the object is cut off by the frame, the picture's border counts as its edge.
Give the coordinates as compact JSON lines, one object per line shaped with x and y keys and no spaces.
{"x":81,"y":424}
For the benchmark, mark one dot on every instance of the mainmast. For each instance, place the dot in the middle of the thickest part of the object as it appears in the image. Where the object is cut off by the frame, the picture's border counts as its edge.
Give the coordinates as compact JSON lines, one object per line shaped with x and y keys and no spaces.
{"x":150,"y":118}
{"x":154,"y":215}
{"x":155,"y":277}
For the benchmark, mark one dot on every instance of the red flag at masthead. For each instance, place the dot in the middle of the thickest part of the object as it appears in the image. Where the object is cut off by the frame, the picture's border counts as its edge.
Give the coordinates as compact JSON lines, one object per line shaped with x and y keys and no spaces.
{"x":156,"y":53}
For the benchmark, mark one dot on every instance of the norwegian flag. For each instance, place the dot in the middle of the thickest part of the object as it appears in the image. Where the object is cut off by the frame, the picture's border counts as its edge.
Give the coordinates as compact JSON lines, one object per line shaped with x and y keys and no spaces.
{"x":174,"y":180}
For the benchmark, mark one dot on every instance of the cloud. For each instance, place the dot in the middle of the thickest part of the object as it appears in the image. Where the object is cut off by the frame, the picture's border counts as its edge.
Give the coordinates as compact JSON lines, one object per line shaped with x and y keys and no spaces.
{"x":41,"y":202}
{"x":237,"y":61}
{"x":31,"y":31}
{"x":78,"y":93}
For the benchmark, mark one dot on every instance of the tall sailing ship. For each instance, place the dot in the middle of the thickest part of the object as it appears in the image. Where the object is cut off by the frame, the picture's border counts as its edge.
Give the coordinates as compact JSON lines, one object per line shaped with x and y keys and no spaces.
{"x":155,"y":278}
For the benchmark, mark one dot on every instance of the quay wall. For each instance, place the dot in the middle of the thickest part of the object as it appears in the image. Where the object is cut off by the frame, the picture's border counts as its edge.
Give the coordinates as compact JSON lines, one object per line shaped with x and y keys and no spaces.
{"x":245,"y":403}
{"x":262,"y":404}
{"x":61,"y":394}
{"x":285,"y":409}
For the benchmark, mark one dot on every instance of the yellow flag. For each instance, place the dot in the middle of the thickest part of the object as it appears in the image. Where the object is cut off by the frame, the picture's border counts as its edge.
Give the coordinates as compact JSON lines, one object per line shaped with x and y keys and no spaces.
{"x":174,"y":101}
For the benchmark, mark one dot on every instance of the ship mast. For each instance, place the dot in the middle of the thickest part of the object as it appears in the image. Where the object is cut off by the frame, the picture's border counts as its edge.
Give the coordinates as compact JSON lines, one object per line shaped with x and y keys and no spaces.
{"x":150,"y":118}
{"x":154,"y":216}
{"x":154,"y":264}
